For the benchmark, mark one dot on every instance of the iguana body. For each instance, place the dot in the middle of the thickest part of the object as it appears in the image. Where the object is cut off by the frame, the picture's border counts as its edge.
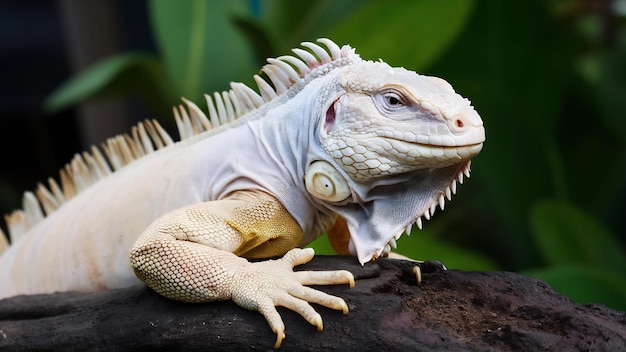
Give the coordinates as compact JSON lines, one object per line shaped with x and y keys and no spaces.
{"x":335,"y":136}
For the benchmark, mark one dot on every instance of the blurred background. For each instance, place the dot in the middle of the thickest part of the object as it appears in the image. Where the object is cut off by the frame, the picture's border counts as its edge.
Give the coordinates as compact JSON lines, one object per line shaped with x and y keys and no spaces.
{"x":546,"y":197}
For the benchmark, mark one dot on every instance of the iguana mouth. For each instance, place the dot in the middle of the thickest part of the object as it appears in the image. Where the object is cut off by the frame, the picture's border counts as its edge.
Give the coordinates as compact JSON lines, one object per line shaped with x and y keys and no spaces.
{"x":472,"y":148}
{"x":430,"y":141}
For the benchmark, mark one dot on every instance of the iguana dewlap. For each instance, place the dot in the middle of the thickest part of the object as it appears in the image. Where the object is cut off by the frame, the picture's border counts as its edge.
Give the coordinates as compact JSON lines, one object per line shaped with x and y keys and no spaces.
{"x":333,"y":135}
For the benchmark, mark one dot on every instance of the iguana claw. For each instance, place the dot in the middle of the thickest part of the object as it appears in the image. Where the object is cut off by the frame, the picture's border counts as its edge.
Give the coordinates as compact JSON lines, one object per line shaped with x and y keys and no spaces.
{"x":429,"y":266}
{"x":418,"y":274}
{"x":264,"y":285}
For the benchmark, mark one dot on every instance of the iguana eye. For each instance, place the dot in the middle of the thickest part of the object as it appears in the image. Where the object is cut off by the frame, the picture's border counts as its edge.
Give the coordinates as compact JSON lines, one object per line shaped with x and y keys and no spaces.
{"x":393,"y":99}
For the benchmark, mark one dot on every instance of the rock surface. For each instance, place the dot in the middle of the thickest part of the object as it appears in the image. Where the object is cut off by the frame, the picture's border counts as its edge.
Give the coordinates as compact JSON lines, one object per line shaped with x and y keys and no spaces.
{"x":452,"y":310}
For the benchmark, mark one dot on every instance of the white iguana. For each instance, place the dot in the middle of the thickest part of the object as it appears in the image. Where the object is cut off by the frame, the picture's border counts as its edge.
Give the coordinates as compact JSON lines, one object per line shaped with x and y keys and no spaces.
{"x":333,"y":143}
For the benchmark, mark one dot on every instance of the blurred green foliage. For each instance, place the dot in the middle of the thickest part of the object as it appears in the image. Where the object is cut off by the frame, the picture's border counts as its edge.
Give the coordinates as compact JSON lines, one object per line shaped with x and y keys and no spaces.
{"x":548,"y":78}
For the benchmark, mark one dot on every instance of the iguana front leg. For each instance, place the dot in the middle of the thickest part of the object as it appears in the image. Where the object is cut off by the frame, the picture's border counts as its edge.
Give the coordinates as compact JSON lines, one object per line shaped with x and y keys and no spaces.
{"x":192,"y":255}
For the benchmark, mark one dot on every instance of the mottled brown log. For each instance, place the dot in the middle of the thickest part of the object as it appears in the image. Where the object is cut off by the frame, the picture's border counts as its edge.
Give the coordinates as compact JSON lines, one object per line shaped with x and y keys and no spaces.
{"x":452,"y":310}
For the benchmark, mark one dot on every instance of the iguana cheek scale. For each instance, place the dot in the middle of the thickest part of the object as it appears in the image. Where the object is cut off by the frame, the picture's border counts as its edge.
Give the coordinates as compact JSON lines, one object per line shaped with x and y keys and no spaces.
{"x":332,"y":143}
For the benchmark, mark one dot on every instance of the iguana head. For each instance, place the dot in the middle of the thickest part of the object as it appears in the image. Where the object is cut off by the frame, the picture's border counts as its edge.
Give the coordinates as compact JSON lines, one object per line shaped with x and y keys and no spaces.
{"x":396,"y":144}
{"x":390,"y":121}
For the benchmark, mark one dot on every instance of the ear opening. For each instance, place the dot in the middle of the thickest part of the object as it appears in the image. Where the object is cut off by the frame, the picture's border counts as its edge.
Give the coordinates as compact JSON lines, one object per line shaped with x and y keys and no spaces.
{"x":329,"y":122}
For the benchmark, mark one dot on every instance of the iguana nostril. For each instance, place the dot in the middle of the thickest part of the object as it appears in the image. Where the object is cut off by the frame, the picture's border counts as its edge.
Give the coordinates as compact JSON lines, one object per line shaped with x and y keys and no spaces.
{"x":459,"y":123}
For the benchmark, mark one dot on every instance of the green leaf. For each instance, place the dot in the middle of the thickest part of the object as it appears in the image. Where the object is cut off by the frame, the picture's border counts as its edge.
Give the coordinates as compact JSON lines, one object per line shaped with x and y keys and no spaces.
{"x":409,"y":33}
{"x":136,"y":74}
{"x":202,"y":50}
{"x":566,"y":234}
{"x":291,"y":22}
{"x":586,"y":284}
{"x":257,"y":38}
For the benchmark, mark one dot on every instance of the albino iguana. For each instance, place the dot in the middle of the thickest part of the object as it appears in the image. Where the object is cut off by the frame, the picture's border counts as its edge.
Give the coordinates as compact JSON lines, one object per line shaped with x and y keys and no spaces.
{"x":333,"y":143}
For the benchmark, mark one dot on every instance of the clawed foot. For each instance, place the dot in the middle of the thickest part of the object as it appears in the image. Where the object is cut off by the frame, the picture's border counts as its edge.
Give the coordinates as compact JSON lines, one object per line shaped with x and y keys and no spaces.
{"x":428,"y":266}
{"x":263,"y":286}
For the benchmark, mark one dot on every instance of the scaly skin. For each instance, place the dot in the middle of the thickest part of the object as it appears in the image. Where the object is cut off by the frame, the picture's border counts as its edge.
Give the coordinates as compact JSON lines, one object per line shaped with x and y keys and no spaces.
{"x":335,"y":144}
{"x":191,"y":255}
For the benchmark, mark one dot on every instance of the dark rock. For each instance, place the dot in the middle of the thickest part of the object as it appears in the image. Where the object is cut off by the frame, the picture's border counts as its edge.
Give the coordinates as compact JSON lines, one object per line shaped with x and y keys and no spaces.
{"x":452,"y":310}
